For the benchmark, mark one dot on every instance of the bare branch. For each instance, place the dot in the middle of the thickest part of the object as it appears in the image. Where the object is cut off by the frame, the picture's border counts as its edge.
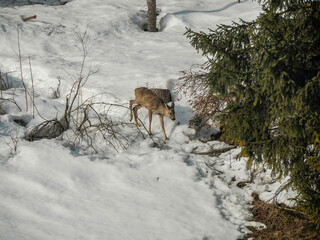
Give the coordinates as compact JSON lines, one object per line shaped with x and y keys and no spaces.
{"x":21,"y":72}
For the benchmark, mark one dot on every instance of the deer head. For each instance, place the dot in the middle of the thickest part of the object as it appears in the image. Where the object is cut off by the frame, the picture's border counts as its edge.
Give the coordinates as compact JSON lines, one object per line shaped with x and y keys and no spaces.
{"x":170,"y":112}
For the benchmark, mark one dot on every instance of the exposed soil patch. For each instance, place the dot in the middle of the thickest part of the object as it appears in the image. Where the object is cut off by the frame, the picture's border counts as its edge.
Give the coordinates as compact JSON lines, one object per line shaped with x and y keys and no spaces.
{"x":281,"y":223}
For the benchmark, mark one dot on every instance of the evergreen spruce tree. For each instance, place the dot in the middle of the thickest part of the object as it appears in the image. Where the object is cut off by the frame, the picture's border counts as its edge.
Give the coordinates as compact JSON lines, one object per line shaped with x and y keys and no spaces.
{"x":271,"y":67}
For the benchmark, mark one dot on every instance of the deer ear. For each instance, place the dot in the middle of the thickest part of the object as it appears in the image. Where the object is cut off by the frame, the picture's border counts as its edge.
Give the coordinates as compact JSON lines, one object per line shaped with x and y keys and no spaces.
{"x":167,"y":107}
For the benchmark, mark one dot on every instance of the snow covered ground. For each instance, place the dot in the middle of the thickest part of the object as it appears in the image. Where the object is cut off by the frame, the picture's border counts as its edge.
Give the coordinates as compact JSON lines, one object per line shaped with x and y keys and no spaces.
{"x":148,"y":191}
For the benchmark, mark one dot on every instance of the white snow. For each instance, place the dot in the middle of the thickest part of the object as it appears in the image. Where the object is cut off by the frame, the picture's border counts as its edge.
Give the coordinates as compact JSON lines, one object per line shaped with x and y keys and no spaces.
{"x":151,"y":190}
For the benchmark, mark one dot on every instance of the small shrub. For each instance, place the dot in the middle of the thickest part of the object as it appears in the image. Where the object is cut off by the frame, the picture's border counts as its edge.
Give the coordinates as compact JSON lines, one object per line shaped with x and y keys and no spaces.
{"x":206,"y":104}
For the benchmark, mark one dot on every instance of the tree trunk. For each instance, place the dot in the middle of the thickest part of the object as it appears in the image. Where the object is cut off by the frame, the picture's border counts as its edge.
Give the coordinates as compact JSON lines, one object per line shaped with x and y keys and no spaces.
{"x":152,"y":16}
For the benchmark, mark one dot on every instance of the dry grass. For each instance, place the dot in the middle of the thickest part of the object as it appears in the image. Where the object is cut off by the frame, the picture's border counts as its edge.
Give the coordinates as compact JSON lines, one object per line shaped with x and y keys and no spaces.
{"x":282,"y":224}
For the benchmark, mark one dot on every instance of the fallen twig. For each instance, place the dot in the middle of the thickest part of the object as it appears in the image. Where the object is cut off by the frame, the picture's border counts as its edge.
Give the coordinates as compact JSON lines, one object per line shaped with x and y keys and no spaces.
{"x":29,"y":18}
{"x":215,"y":152}
{"x":213,"y":169}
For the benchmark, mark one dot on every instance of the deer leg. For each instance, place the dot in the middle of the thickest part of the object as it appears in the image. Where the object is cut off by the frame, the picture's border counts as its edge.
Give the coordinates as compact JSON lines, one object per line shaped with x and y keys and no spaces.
{"x":162,"y":126}
{"x":150,"y":120}
{"x":131,"y":102}
{"x":135,"y":109}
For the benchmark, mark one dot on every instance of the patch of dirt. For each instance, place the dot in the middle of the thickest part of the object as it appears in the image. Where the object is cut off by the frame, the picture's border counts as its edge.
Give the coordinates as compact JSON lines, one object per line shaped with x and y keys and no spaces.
{"x":282,"y":223}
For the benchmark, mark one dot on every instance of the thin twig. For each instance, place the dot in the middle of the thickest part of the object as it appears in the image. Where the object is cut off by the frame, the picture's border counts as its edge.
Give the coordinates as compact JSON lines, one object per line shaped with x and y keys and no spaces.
{"x":21,"y":72}
{"x":212,"y":168}
{"x":32,"y":89}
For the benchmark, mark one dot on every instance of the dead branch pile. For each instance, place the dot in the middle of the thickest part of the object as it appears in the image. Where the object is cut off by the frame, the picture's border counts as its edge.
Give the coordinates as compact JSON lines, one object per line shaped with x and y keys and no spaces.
{"x":85,"y":123}
{"x":94,"y":127}
{"x":4,"y":83}
{"x":48,"y":129}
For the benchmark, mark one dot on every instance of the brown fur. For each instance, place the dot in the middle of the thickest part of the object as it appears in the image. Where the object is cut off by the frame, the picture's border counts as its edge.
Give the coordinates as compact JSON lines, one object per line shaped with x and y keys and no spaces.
{"x":154,"y":104}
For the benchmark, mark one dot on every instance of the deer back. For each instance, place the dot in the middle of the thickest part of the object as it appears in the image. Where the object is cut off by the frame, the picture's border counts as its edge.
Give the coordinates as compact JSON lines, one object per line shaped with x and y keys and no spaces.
{"x":164,"y":94}
{"x":148,"y":99}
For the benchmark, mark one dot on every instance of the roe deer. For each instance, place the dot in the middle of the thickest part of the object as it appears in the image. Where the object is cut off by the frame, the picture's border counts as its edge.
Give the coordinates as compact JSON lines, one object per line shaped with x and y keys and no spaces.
{"x":155,"y":100}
